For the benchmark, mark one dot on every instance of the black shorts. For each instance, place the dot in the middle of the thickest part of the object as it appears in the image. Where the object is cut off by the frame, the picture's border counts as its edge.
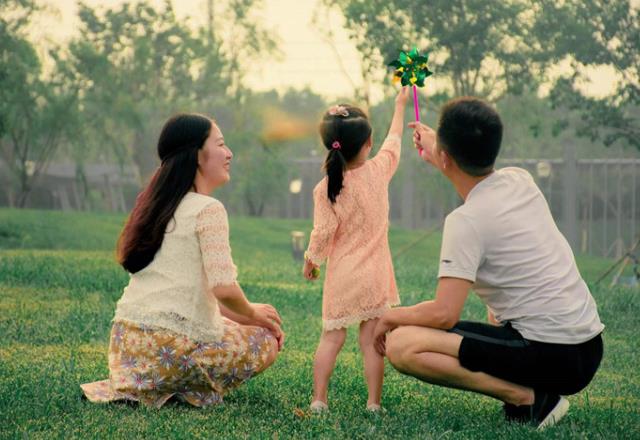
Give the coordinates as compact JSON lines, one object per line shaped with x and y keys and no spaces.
{"x":501,"y":351}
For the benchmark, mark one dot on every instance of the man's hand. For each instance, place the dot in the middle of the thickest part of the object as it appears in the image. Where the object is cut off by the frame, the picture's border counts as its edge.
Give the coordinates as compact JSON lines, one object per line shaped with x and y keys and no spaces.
{"x":491,"y":318}
{"x":380,"y":334}
{"x":424,"y":139}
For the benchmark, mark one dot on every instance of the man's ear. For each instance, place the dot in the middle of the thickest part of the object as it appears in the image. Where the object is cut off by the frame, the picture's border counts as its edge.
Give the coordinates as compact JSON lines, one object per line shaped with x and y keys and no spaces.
{"x":445,"y":159}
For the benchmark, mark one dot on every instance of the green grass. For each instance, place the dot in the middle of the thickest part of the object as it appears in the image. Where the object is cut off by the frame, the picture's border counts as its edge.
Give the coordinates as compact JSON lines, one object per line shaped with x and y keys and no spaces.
{"x":59,"y":284}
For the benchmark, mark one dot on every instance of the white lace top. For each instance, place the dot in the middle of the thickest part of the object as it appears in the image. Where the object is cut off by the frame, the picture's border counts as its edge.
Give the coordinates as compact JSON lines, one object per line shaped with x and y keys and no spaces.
{"x":174,"y":291}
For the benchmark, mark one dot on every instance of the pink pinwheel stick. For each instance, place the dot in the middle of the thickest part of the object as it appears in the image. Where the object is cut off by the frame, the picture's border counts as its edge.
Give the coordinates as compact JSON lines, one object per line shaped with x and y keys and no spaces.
{"x":416,"y":105}
{"x":416,"y":109}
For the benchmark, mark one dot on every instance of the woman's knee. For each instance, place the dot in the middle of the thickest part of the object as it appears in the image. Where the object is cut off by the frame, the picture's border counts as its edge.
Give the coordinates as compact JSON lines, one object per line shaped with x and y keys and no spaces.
{"x":272,"y":353}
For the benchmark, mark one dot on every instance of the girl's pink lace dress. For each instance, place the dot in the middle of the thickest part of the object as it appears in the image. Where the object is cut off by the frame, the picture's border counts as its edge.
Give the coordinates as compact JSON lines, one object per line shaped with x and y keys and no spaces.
{"x":353,"y":235}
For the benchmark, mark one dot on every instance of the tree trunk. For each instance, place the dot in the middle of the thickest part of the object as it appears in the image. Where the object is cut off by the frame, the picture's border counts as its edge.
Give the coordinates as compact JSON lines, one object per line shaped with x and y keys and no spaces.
{"x":143,"y":157}
{"x":11,"y":196}
{"x":25,"y":188}
{"x":23,"y":197}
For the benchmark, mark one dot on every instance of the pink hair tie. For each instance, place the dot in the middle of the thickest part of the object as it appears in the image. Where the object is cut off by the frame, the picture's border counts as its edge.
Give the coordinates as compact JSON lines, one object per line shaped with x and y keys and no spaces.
{"x":338,"y":110}
{"x":336,"y":145}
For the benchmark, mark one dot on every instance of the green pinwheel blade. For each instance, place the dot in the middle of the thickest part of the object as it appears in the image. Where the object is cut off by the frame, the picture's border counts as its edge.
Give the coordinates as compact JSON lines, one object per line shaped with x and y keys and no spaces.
{"x":413,"y":65}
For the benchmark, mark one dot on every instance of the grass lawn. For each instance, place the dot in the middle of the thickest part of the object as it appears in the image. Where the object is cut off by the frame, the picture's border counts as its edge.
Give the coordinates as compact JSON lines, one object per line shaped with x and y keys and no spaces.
{"x":58,"y":288}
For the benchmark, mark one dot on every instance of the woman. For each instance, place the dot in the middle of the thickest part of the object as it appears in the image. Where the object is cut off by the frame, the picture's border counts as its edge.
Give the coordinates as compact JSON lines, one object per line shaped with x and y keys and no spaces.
{"x":183,"y":326}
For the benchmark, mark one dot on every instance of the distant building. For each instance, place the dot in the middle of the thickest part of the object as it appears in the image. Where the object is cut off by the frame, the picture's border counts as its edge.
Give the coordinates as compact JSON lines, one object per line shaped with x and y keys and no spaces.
{"x":105,"y":187}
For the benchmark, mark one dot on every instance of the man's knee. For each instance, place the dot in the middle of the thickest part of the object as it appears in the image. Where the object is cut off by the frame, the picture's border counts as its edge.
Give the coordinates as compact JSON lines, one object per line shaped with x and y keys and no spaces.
{"x":398,"y":347}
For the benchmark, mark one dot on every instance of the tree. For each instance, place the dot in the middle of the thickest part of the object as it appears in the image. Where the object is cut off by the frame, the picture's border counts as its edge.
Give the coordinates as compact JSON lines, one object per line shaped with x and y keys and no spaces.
{"x":278,"y":128}
{"x":597,"y":33}
{"x":32,"y":105}
{"x":136,"y":65}
{"x":245,"y":40}
{"x":484,"y":48}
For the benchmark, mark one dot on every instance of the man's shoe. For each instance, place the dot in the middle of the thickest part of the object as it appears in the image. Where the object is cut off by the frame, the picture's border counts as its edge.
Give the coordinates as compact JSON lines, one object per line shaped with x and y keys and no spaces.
{"x":516,"y":414}
{"x":547,"y":409}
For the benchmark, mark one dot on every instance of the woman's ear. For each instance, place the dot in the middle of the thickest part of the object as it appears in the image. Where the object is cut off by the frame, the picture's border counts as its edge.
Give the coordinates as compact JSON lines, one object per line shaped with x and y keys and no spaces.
{"x":200,"y":156}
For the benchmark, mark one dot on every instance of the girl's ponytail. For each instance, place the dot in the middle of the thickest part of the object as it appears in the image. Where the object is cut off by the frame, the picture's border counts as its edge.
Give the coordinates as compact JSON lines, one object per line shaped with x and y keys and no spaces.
{"x":344,"y":131}
{"x":334,"y":165}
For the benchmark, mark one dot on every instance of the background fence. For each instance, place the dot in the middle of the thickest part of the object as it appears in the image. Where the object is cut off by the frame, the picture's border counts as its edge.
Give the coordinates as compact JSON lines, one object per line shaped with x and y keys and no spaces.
{"x":596,"y":202}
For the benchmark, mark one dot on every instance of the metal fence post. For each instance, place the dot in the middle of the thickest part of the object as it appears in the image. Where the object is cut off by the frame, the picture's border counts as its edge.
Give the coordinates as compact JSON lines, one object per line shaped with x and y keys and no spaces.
{"x":570,"y":195}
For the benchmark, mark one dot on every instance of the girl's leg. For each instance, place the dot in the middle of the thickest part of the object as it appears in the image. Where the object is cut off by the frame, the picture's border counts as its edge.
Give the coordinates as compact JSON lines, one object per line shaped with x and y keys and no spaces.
{"x":331,"y":343}
{"x":373,"y":362}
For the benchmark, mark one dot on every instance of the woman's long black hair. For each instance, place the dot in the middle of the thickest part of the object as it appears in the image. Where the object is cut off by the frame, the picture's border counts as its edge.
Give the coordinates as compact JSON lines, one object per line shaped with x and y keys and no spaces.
{"x":352,"y":132}
{"x":182,"y":136}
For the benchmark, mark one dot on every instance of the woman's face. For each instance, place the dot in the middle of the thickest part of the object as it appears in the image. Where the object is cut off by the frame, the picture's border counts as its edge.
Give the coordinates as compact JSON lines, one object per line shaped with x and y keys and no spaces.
{"x":214,"y":159}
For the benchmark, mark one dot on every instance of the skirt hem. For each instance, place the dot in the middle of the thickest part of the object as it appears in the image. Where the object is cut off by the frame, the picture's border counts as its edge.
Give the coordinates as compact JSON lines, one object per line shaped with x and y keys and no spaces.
{"x":336,"y":324}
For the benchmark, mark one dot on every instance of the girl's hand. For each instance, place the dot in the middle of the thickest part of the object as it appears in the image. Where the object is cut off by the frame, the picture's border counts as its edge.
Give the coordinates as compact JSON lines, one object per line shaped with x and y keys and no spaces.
{"x":310,"y":271}
{"x":402,"y":97}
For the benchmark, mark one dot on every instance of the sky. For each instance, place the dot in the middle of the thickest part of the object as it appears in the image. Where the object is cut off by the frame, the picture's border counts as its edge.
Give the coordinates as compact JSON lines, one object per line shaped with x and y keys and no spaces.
{"x":307,"y":60}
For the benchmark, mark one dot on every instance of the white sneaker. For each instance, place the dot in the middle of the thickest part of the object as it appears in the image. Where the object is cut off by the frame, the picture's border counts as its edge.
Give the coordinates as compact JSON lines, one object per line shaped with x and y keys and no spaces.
{"x":551,"y":412}
{"x":318,"y":406}
{"x":374,"y":408}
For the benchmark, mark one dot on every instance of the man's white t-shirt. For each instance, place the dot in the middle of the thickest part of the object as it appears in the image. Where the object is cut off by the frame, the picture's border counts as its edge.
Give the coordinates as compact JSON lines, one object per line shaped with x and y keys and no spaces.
{"x":505,"y":241}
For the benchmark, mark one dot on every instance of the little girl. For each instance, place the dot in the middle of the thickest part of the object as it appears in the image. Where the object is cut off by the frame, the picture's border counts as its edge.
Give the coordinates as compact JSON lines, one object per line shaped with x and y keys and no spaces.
{"x":350,"y":226}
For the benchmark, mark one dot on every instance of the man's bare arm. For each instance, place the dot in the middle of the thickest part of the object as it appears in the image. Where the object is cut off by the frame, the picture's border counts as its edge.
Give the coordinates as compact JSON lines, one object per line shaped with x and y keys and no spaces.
{"x":443,"y":312}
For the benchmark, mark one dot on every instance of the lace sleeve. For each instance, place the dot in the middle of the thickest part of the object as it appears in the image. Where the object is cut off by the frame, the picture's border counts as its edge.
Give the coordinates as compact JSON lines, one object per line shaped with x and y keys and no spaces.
{"x":388,"y":158}
{"x":212,"y":227}
{"x":325,"y":223}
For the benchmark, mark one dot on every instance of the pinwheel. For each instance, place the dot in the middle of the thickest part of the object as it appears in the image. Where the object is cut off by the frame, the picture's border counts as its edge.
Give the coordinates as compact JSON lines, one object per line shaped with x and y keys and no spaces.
{"x":411,"y":69}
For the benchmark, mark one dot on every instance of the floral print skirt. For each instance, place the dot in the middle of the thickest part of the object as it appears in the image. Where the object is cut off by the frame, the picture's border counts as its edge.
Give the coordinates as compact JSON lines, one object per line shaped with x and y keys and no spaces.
{"x":152,"y":365}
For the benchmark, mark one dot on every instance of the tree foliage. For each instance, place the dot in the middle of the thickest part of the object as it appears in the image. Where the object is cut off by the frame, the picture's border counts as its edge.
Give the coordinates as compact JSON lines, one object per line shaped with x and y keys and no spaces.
{"x":114,"y":84}
{"x":32,"y":104}
{"x":596,"y":34}
{"x":484,"y":48}
{"x":495,"y":49}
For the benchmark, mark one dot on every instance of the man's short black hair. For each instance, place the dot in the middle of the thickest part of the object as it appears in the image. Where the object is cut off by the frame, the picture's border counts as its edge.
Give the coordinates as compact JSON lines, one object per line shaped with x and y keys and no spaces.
{"x":470,"y":131}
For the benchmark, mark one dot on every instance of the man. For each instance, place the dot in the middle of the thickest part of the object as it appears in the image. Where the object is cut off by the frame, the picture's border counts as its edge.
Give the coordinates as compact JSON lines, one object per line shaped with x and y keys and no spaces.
{"x":543,"y":340}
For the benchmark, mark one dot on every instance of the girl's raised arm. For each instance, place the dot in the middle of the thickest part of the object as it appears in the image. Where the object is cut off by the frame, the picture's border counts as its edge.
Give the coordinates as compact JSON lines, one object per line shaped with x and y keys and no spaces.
{"x":388,"y":158}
